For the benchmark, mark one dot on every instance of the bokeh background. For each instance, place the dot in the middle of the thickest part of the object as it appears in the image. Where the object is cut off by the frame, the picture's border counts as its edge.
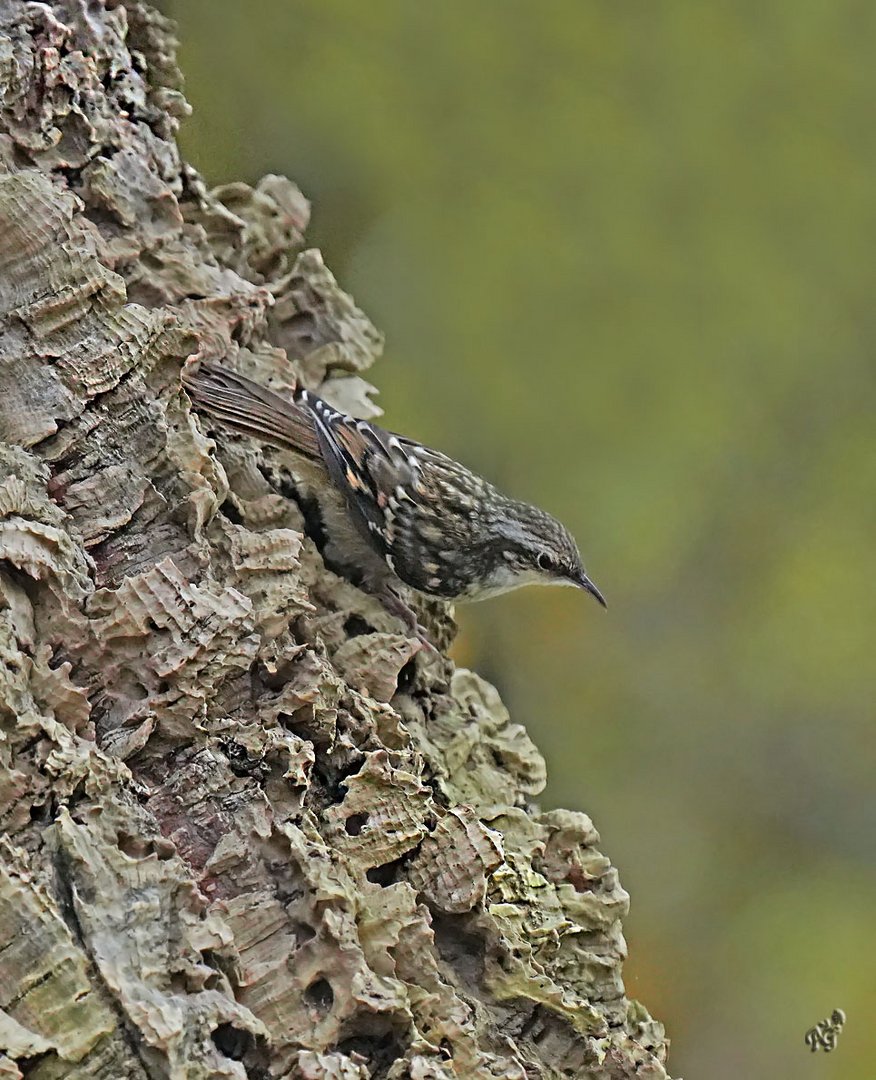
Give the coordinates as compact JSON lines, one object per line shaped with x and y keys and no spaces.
{"x":624,"y":258}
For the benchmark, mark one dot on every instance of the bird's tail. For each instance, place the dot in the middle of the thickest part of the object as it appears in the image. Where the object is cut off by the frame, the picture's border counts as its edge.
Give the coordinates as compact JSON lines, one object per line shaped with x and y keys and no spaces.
{"x":251,"y":408}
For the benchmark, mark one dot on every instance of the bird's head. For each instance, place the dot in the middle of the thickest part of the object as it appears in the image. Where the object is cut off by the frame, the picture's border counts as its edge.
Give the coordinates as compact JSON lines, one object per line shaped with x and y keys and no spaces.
{"x":536,"y":549}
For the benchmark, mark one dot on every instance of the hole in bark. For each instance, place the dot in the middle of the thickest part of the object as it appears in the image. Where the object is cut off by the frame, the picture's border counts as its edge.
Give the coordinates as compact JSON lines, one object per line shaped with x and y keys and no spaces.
{"x":296,"y":723}
{"x":302,"y":326}
{"x":58,"y":657}
{"x":26,"y":1065}
{"x":407,"y":677}
{"x":355,"y":626}
{"x":305,"y":723}
{"x":303,"y":933}
{"x":532,"y":1027}
{"x":221,"y":967}
{"x":464,"y":951}
{"x":240,"y":761}
{"x":379,"y":1048}
{"x":355,"y":823}
{"x":229,"y":510}
{"x":386,"y":874}
{"x":498,"y":760}
{"x":446,"y":1049}
{"x":231,"y":1041}
{"x":334,"y":773}
{"x":135,"y":847}
{"x":320,"y":995}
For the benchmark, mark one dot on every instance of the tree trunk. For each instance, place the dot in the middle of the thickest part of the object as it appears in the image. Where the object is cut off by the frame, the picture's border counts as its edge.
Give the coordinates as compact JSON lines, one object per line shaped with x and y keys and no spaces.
{"x":249,"y":831}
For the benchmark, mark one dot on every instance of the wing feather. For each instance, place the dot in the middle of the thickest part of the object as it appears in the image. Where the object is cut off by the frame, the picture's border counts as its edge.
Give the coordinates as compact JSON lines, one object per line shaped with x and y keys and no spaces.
{"x":249,"y":407}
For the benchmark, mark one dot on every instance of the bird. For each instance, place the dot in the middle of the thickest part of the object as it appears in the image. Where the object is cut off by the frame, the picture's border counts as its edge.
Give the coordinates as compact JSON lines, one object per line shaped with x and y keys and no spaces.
{"x":398,"y":513}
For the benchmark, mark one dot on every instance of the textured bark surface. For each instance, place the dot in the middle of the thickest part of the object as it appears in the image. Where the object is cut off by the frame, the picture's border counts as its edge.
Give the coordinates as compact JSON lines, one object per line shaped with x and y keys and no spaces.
{"x":248,"y":829}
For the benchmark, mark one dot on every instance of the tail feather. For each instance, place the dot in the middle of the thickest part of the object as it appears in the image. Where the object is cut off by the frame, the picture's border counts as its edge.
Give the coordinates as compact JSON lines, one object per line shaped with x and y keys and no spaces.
{"x":251,"y":408}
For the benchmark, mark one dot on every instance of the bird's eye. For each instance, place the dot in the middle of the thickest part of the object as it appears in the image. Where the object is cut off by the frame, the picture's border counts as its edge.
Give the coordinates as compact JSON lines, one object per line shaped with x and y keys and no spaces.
{"x":545,"y":562}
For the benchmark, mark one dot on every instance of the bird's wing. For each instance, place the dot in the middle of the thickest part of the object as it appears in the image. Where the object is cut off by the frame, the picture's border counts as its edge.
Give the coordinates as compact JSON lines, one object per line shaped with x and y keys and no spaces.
{"x":249,"y":407}
{"x":373,"y":467}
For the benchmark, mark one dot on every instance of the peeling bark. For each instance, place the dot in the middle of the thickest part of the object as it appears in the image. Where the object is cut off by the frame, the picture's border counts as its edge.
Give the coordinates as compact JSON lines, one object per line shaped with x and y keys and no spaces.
{"x":248,"y":829}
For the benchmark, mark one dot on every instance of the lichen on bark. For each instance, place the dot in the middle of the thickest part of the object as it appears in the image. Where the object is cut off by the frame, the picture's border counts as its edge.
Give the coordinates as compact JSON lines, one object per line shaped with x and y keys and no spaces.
{"x":249,"y":829}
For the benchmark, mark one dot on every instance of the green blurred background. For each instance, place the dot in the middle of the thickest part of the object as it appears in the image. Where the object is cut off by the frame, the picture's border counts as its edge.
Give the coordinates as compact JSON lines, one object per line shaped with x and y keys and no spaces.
{"x":624,"y":258}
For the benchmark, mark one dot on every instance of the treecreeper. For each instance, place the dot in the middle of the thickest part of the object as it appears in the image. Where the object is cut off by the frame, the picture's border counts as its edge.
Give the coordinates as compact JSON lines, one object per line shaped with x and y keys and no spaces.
{"x":250,"y":828}
{"x":398,"y":512}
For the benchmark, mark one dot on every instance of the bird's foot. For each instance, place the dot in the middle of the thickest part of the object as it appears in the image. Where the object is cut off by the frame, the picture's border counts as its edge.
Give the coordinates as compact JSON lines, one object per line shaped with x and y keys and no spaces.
{"x":396,"y":606}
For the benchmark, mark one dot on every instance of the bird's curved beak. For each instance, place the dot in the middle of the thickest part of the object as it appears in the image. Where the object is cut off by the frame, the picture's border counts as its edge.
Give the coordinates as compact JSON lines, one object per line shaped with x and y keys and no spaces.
{"x":584,"y":582}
